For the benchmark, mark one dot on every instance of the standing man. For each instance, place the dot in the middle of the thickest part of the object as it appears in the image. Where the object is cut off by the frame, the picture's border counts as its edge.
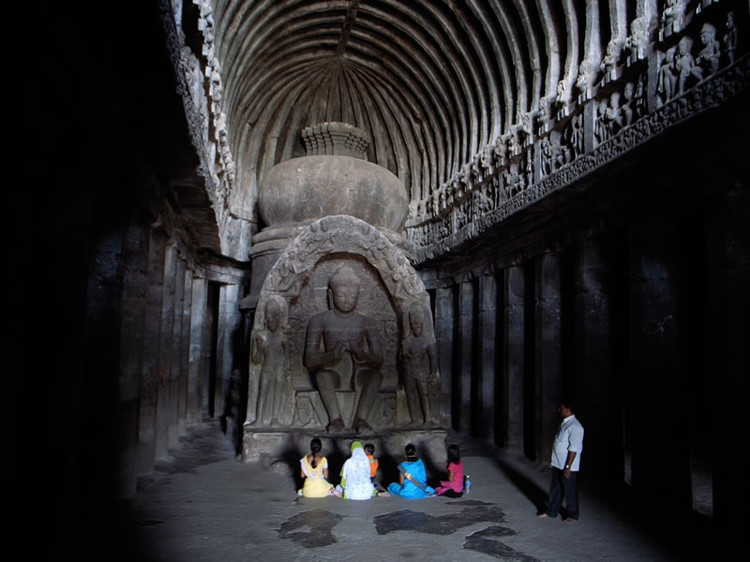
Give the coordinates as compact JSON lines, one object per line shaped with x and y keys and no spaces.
{"x":566,"y":460}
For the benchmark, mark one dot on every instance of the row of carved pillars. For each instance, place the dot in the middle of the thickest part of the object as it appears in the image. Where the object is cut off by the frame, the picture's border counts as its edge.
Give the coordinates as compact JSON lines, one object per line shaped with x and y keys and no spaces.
{"x":643,"y":326}
{"x":178,"y":332}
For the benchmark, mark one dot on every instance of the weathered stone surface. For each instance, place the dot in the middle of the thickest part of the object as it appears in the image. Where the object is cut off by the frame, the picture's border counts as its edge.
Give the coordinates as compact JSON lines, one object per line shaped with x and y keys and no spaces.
{"x":304,"y":189}
{"x":300,"y":285}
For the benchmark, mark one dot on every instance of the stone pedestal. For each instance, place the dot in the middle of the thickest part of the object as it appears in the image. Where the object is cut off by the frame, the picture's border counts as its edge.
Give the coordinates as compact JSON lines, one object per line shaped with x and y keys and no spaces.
{"x":280,"y":450}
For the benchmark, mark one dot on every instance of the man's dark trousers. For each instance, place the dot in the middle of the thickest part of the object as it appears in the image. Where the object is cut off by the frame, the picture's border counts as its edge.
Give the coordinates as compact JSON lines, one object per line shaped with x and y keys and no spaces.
{"x":560,"y":488}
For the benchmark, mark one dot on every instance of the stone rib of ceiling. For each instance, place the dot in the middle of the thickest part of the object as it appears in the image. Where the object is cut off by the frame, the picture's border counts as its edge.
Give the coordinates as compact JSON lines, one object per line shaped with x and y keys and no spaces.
{"x":431,"y":82}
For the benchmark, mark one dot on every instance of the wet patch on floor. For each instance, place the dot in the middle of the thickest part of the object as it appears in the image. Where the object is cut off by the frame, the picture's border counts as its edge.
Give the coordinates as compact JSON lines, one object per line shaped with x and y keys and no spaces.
{"x":407,"y":520}
{"x":485,"y":541}
{"x":311,"y":529}
{"x":314,"y":528}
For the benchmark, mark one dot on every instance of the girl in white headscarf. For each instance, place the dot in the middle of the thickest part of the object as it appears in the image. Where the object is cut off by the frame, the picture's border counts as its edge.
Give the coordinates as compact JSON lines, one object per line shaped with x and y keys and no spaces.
{"x":355,"y":475}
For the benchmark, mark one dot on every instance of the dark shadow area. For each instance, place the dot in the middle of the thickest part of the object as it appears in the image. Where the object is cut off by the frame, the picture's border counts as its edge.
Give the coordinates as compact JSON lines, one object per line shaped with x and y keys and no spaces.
{"x":684,"y":535}
{"x":537,"y":496}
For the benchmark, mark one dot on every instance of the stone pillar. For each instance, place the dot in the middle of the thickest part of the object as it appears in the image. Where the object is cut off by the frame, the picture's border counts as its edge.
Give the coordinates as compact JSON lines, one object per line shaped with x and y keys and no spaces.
{"x":133,"y":322}
{"x":726,"y":336}
{"x":591,"y":365}
{"x":151,"y":366}
{"x":514,"y":364}
{"x":164,"y":415}
{"x":230,"y":323}
{"x":176,"y":356}
{"x":466,"y":341}
{"x":547,"y":351}
{"x":658,"y":408}
{"x":199,"y":343}
{"x":488,"y":356}
{"x":445,"y":336}
{"x":187,"y":297}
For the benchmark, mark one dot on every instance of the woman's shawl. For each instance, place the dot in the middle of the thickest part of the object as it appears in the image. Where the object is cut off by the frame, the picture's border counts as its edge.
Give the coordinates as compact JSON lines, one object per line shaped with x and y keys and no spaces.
{"x":355,"y":475}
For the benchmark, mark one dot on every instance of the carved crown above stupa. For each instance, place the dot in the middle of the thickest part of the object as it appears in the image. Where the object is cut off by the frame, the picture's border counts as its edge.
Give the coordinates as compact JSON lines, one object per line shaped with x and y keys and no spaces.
{"x":337,"y":139}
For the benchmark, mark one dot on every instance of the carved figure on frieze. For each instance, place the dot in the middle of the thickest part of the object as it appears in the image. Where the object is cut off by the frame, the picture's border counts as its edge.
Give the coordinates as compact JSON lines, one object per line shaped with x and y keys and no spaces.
{"x":685,"y":64}
{"x":515,"y":181}
{"x":552,"y":156}
{"x":561,"y":100}
{"x":637,"y":41}
{"x":542,"y":116}
{"x":613,"y":114}
{"x":639,"y":98}
{"x":575,"y":135}
{"x":454,"y":192}
{"x":435,"y":197}
{"x":460,"y":217}
{"x":709,"y":56}
{"x":475,"y":176}
{"x":584,"y":79}
{"x":546,"y":152}
{"x":601,"y":131}
{"x":528,"y":162}
{"x":627,"y":106}
{"x":609,"y":62}
{"x":498,"y":152}
{"x":421,"y":380}
{"x":666,"y":85}
{"x":485,"y":161}
{"x":525,"y":133}
{"x":512,"y":142}
{"x":464,"y":179}
{"x":485,"y":198}
{"x":672,"y":18}
{"x":443,"y":198}
{"x":730,"y":37}
{"x":504,"y":191}
{"x":444,"y":229}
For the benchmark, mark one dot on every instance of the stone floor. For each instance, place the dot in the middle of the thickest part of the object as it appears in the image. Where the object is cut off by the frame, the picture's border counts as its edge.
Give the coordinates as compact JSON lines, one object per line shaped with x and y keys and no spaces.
{"x":203,"y":504}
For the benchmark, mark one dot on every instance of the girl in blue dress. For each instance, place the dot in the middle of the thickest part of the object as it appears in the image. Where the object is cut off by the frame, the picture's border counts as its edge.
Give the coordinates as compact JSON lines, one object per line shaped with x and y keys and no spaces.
{"x":412,"y":482}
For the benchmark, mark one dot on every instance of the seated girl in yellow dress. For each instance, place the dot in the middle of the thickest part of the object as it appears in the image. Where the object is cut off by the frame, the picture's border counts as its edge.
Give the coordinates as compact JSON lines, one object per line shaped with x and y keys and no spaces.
{"x":314,"y":471}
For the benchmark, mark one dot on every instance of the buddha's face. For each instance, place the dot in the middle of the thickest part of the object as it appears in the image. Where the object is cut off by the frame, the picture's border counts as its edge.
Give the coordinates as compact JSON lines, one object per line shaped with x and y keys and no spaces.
{"x":345,"y":296}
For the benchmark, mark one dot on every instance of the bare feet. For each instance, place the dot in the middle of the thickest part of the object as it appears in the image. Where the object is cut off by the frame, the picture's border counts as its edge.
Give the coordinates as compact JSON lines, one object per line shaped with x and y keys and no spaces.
{"x":542,"y":515}
{"x":335,"y":426}
{"x":362,"y":426}
{"x":569,"y":520}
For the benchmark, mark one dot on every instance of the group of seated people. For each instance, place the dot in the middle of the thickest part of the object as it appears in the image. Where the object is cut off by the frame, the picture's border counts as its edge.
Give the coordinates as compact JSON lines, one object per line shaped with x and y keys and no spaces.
{"x":359,"y":475}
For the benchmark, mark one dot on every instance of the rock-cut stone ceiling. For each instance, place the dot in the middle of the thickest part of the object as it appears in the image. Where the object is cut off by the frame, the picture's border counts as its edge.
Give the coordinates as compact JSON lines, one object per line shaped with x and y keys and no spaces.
{"x":431,"y":82}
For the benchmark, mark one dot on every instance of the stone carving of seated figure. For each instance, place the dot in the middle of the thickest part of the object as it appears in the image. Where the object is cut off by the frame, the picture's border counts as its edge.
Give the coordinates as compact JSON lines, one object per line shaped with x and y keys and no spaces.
{"x":334,"y":334}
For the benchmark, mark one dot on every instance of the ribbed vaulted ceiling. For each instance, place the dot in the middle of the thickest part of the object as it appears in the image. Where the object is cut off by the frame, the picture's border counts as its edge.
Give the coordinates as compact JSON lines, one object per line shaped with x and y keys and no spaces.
{"x":430,"y":81}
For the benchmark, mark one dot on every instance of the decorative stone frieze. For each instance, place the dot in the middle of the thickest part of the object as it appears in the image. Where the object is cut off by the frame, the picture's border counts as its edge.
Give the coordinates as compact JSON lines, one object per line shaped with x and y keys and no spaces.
{"x":619,"y":128}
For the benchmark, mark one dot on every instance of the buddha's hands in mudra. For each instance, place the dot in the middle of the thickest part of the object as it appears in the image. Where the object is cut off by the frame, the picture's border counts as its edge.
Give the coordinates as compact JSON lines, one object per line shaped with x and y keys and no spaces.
{"x":357,"y":348}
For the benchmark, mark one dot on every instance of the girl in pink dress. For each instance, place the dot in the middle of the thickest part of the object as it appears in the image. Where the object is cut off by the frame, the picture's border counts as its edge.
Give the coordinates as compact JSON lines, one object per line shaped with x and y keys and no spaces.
{"x":454,"y":486}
